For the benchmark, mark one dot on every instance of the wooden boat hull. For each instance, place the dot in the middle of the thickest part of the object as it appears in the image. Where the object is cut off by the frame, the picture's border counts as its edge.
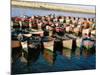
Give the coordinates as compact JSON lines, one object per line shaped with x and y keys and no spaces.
{"x":49,"y":53}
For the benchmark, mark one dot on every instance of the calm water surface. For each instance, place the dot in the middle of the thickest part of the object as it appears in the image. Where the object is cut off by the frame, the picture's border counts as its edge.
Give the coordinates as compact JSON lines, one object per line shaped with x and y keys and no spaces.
{"x":18,"y":11}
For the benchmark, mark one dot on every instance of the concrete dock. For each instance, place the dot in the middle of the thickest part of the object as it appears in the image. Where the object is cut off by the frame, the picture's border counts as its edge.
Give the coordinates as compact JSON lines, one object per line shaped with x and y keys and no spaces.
{"x":50,"y":6}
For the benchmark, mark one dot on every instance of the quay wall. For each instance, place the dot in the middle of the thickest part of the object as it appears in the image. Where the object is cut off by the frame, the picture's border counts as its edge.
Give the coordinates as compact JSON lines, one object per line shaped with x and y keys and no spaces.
{"x":51,"y":6}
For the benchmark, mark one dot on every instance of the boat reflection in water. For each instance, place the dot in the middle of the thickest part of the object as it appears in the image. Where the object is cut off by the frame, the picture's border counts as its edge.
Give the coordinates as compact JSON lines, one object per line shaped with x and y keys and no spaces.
{"x":16,"y":50}
{"x":34,"y":48}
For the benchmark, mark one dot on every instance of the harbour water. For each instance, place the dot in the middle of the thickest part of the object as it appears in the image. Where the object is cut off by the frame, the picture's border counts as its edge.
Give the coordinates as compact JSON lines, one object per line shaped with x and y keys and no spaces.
{"x":61,"y":63}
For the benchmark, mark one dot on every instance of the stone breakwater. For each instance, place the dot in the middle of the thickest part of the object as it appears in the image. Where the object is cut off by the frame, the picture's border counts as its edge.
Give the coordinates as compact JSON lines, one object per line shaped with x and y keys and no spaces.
{"x":50,"y":6}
